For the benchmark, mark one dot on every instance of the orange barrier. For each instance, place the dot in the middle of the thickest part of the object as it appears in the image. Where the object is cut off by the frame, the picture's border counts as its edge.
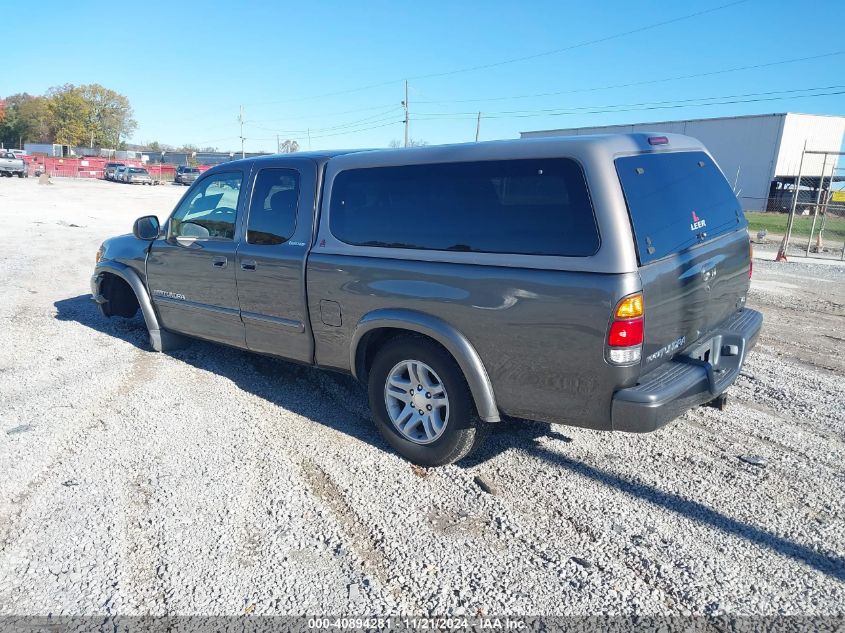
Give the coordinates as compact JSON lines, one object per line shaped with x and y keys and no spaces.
{"x":92,"y":167}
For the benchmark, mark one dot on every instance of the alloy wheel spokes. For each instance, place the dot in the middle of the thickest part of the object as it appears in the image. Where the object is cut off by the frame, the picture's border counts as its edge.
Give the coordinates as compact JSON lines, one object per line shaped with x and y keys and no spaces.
{"x":416,"y":401}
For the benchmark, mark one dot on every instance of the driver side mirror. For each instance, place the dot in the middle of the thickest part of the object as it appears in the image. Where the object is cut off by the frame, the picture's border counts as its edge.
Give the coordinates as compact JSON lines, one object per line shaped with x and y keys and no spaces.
{"x":146,"y":228}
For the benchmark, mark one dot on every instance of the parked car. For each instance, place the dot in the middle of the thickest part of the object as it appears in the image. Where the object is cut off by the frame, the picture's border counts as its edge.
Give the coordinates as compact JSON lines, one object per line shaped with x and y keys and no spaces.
{"x":12,"y":165}
{"x":137,"y":176}
{"x":20,"y":153}
{"x":119,"y":173}
{"x":186,"y":175}
{"x":110,"y":169}
{"x":598,"y":281}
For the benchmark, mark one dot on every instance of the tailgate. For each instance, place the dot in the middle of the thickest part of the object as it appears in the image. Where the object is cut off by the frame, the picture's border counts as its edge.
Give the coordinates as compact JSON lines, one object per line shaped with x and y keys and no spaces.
{"x":692,"y":244}
{"x":687,"y":295}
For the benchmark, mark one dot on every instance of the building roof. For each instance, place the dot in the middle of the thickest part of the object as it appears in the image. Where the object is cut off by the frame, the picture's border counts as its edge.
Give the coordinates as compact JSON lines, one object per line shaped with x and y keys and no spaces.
{"x":717,"y":118}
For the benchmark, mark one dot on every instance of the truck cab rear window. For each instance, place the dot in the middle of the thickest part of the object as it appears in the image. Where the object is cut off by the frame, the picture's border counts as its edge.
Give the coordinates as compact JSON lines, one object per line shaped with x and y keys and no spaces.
{"x":531,"y":207}
{"x":676,"y":200}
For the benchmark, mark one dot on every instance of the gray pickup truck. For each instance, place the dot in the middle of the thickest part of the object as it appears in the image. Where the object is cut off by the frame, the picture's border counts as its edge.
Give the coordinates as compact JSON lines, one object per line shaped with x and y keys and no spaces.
{"x":186,"y":175}
{"x":12,"y":165}
{"x":594,"y":281}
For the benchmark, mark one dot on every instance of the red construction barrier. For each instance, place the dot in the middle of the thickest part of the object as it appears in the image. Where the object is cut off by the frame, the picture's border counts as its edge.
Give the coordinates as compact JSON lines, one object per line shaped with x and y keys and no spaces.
{"x":94,"y":167}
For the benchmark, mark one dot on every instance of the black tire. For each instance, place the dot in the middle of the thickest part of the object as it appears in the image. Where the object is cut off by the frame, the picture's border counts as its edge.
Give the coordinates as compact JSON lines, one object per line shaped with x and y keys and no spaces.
{"x":462,"y":433}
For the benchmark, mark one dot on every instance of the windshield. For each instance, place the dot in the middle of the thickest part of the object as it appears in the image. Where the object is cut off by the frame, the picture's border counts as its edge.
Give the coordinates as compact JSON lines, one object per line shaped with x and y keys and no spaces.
{"x":135,"y":170}
{"x":676,"y":200}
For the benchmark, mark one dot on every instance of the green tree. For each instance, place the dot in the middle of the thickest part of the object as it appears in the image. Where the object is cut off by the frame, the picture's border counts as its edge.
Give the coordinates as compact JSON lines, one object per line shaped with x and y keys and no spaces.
{"x":108,"y":115}
{"x":69,"y":114}
{"x":35,"y":115}
{"x":10,"y":126}
{"x":25,"y":118}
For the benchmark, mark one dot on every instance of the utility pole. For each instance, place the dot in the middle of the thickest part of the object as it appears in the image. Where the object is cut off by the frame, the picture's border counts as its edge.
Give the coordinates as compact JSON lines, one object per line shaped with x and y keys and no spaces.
{"x":477,"y":127}
{"x":309,"y":139}
{"x":407,"y":121}
{"x":241,"y":120}
{"x":278,"y":147}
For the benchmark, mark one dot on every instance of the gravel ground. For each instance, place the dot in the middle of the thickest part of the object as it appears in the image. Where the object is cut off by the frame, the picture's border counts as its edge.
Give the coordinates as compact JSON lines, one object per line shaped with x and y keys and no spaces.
{"x":211,"y":481}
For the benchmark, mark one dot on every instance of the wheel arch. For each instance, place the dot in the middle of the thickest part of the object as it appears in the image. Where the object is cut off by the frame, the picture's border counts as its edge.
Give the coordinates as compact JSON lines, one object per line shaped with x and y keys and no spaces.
{"x":374,"y":326}
{"x":158,"y":336}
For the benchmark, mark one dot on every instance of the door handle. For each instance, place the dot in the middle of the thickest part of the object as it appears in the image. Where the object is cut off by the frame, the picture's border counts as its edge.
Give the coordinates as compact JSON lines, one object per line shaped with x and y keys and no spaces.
{"x":248,"y":264}
{"x":219,"y":262}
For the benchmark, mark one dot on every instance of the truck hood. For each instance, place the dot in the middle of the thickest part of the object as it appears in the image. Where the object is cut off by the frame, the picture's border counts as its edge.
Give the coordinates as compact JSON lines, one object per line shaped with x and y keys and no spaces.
{"x":126,"y":249}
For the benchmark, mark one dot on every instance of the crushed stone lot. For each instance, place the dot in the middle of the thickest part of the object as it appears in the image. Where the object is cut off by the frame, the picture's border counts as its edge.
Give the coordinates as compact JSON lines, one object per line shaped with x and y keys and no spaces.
{"x":212,"y":481}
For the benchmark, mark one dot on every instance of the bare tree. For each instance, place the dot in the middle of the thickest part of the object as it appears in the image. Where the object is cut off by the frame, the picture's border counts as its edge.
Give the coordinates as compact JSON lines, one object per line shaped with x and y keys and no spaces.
{"x":288,"y":147}
{"x":396,"y":144}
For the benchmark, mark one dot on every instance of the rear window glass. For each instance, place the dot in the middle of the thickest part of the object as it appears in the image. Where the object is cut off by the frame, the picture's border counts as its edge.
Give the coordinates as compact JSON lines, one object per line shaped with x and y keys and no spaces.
{"x":531,"y":207}
{"x":676,"y":200}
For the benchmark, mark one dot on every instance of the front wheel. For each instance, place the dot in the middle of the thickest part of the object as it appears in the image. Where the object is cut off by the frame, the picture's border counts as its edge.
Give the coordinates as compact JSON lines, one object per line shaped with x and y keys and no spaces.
{"x":421,"y":403}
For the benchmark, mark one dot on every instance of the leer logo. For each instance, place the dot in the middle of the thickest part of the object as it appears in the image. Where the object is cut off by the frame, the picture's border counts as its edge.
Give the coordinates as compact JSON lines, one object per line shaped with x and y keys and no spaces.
{"x":697,"y":223}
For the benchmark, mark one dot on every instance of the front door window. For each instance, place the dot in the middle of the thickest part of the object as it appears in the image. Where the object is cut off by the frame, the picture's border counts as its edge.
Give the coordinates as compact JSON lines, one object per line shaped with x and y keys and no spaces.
{"x":209,"y":211}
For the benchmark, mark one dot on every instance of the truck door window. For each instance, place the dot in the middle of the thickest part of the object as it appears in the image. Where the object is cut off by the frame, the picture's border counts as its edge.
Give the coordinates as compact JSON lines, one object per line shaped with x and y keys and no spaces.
{"x":272,"y":212}
{"x":209,"y":211}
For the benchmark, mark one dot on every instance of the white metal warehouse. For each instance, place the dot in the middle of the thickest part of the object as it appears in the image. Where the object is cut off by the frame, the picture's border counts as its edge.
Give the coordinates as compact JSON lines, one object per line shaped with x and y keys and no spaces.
{"x":758,"y":153}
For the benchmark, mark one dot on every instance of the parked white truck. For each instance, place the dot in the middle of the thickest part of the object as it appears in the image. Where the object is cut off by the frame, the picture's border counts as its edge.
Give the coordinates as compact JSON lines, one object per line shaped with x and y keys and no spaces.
{"x":11,"y":165}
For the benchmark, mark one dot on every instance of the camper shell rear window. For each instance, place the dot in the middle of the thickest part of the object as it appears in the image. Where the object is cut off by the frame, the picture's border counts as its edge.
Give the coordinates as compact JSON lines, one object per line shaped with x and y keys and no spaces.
{"x":676,"y":200}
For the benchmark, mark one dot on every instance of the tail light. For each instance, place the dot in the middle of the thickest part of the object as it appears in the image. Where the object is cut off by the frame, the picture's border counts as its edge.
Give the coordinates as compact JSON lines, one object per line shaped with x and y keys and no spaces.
{"x":625,"y":335}
{"x":750,"y":258}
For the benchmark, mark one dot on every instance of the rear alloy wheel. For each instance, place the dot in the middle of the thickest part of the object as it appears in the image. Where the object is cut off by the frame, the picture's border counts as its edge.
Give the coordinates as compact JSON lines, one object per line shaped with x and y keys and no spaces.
{"x":421,"y":403}
{"x":416,"y":401}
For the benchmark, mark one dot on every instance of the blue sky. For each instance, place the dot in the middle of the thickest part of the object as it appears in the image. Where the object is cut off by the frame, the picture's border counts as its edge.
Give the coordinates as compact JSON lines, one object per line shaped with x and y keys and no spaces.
{"x":299,"y":68}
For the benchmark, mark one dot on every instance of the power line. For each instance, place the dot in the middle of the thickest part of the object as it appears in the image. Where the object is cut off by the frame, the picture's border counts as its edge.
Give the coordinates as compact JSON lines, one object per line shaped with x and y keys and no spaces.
{"x":615,"y":107}
{"x":635,"y":109}
{"x":514,"y":60}
{"x":326,"y":114}
{"x":330,"y":128}
{"x":363,"y":129}
{"x":665,"y":105}
{"x":375,"y":127}
{"x":599,"y":40}
{"x":370,"y":119}
{"x":637,"y":83}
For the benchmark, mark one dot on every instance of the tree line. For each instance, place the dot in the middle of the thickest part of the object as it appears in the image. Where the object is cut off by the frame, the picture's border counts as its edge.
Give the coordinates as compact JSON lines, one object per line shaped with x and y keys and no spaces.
{"x":89,"y":115}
